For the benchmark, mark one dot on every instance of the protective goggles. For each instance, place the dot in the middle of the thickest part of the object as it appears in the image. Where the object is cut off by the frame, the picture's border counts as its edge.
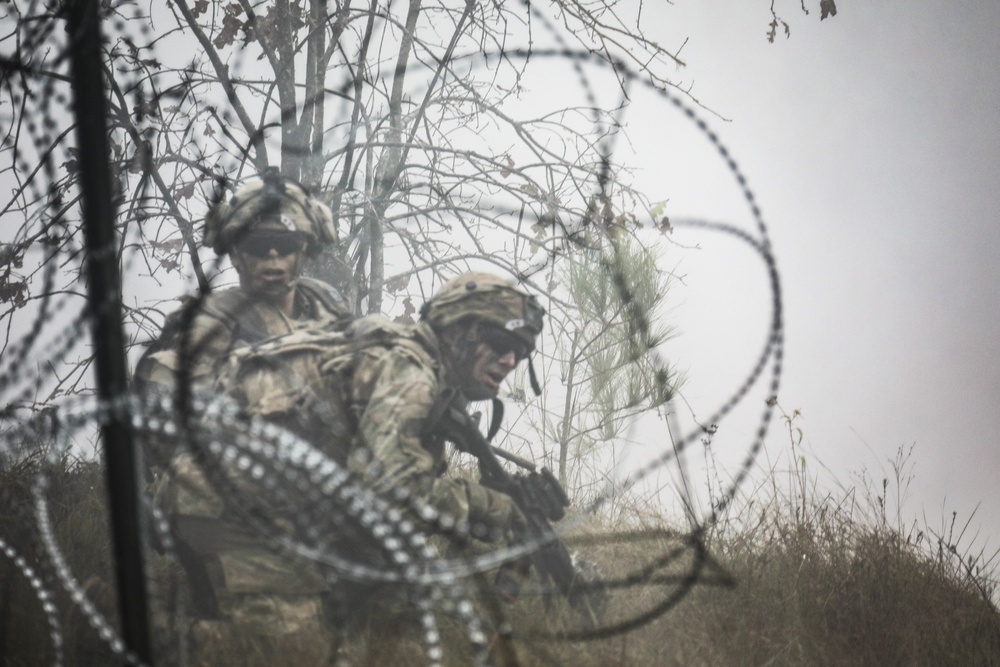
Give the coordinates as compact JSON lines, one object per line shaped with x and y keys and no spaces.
{"x":503,"y":342}
{"x":260,"y":244}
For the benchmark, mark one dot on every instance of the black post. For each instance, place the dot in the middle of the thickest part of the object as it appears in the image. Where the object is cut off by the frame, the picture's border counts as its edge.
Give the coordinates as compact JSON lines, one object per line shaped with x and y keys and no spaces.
{"x":104,"y":297}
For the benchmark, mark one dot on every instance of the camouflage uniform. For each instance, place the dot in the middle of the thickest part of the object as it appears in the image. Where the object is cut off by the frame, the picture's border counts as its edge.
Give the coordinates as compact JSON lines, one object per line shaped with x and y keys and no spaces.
{"x":368,"y":396}
{"x":223,"y":321}
{"x":250,"y":606}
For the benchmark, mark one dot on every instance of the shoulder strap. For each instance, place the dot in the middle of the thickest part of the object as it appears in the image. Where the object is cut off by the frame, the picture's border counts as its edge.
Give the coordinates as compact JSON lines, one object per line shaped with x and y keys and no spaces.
{"x":452,"y":398}
{"x":327,"y":295}
{"x":496,"y":419}
{"x":438,"y":411}
{"x":237,"y":313}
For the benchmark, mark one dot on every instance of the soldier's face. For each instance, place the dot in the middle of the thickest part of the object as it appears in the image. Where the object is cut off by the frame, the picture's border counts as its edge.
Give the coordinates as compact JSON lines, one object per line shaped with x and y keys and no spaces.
{"x":269,"y":263}
{"x":492,"y":360}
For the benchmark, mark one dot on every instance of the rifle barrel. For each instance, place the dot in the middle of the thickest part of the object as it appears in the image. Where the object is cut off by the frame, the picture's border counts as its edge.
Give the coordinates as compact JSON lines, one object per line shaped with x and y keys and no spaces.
{"x":513,"y":458}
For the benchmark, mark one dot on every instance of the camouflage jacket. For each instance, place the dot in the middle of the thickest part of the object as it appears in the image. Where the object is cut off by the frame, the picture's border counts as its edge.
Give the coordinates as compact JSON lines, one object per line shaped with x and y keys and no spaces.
{"x":368,"y":396}
{"x":223,"y":321}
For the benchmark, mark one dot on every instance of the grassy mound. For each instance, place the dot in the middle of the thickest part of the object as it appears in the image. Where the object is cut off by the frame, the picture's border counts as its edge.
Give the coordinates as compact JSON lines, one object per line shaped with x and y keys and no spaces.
{"x":792,"y":580}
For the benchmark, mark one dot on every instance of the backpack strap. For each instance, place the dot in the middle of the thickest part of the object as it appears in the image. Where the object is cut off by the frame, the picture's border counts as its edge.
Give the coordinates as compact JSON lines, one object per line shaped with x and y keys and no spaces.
{"x":326,"y":295}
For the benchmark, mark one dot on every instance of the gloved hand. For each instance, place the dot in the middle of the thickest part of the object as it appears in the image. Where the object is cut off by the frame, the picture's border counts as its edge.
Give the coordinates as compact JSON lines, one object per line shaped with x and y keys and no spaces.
{"x":510,"y":579}
{"x":494,"y":516}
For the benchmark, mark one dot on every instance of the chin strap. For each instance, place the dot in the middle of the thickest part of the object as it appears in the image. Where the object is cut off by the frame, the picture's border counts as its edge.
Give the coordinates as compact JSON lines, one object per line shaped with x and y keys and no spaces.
{"x":498,"y":404}
{"x":535,"y":387}
{"x":495,"y":419}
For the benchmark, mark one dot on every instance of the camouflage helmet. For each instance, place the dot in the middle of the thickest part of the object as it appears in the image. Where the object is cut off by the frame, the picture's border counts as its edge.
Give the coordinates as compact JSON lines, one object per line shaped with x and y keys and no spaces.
{"x":486,"y":298}
{"x":271,"y":202}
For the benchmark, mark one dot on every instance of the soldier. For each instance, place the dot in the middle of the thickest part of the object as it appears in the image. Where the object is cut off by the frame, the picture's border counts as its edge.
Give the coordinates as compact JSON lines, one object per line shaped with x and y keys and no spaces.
{"x":368,"y":396}
{"x":269,"y":228}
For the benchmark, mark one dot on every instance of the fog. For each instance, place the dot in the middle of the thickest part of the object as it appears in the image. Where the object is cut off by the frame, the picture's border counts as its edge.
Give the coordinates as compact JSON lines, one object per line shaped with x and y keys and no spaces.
{"x":870,"y":141}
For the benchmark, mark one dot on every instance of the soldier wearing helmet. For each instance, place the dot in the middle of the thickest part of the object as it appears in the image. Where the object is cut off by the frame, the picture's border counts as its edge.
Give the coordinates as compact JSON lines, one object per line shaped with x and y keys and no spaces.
{"x":489,"y":326}
{"x":368,"y":396}
{"x":386,"y":383}
{"x":269,"y":228}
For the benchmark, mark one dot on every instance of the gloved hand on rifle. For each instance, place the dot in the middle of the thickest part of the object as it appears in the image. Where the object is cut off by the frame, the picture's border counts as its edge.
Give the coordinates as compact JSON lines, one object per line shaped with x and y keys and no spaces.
{"x":502,"y":519}
{"x":493,"y":516}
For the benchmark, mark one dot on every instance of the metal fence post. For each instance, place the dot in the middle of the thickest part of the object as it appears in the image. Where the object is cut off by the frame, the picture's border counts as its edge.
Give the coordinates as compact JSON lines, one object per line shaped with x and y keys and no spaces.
{"x":104,"y":298}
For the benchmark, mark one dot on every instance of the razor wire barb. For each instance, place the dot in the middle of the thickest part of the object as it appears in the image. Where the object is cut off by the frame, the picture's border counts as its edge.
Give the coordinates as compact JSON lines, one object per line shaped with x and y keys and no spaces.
{"x":408,"y":173}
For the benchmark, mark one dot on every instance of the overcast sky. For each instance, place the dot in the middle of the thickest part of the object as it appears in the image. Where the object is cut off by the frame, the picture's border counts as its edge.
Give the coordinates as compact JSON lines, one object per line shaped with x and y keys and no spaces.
{"x":872,"y":143}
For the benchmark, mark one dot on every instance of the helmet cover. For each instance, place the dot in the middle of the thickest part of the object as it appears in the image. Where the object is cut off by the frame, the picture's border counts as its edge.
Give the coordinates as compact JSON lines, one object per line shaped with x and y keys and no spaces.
{"x":486,"y":298}
{"x":273,"y":203}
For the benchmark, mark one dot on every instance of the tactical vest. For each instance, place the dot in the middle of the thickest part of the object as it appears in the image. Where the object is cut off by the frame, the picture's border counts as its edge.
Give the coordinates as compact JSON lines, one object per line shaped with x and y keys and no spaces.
{"x":210,"y":328}
{"x":303,"y":381}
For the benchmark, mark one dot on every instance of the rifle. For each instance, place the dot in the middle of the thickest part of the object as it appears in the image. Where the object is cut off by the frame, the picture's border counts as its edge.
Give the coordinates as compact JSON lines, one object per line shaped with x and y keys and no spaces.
{"x":541,"y":499}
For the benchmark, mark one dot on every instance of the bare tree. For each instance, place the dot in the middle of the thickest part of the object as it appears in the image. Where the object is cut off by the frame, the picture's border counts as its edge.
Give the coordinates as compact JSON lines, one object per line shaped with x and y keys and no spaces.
{"x":407,"y":119}
{"x":411,"y":119}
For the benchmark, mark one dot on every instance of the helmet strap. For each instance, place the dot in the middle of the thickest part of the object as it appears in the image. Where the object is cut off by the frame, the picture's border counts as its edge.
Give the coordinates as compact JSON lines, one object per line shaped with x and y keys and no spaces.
{"x":495,"y":419}
{"x":535,"y":387}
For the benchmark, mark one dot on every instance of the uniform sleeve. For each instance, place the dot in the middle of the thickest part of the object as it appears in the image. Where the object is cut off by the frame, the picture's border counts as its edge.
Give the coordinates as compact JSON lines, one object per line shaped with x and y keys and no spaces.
{"x":400,"y":392}
{"x":207,"y":340}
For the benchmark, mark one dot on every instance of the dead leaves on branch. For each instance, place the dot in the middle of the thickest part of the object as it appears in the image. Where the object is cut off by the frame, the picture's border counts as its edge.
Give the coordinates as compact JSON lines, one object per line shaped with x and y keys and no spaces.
{"x":827,"y":8}
{"x":231,"y":26}
{"x":395,"y":285}
{"x":773,"y":31}
{"x":603,"y":218}
{"x":280,"y":22}
{"x":184,"y":191}
{"x":13,"y":288}
{"x":504,"y":173}
{"x":168,"y":253}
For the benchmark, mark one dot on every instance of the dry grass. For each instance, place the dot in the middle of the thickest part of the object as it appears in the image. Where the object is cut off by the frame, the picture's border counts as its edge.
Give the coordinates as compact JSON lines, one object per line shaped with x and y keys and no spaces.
{"x":79,"y":520}
{"x":818,"y":581}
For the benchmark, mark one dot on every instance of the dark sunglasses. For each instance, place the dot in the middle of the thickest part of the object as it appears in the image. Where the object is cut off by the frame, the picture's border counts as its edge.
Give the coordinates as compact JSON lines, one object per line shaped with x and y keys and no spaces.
{"x":260,"y":244}
{"x":503,"y":342}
